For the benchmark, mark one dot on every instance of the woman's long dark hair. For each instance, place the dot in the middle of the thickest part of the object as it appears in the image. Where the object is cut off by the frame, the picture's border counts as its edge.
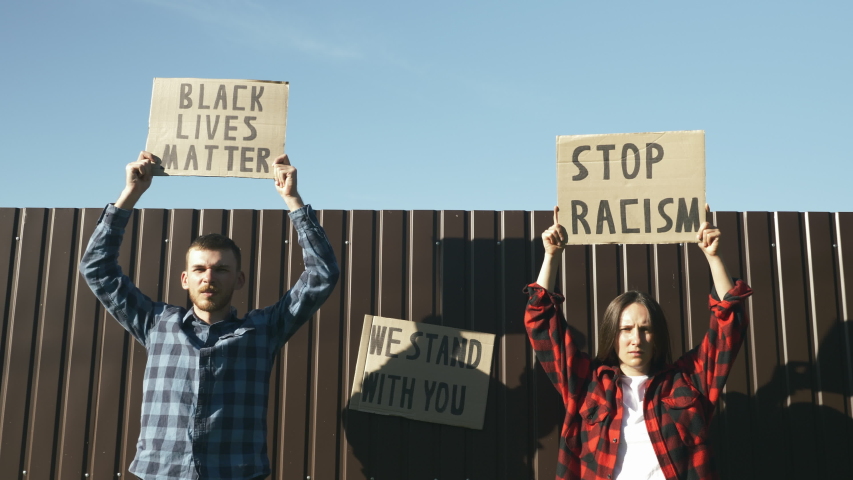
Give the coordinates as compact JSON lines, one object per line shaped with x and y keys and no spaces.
{"x":609,"y":330}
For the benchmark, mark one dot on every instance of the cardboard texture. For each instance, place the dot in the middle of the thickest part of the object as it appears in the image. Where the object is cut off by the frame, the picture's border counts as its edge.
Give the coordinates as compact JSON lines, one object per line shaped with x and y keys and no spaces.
{"x":217,"y":128}
{"x":423,"y":372}
{"x":631,"y":187}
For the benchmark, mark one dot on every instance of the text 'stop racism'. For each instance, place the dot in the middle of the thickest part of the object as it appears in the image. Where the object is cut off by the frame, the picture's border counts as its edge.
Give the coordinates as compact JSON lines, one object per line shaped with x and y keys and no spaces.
{"x":631,"y":187}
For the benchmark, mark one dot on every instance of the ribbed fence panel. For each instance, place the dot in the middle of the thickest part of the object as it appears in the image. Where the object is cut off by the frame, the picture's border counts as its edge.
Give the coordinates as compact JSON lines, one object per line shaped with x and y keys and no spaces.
{"x":71,"y":377}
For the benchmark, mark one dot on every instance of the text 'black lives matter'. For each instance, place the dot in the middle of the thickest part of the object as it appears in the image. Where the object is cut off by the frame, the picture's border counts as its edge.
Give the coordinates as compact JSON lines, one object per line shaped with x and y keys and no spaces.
{"x":215,"y":127}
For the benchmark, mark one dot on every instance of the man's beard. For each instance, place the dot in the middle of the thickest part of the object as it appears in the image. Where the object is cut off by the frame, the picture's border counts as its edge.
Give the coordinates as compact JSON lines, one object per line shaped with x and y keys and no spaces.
{"x":219,"y":300}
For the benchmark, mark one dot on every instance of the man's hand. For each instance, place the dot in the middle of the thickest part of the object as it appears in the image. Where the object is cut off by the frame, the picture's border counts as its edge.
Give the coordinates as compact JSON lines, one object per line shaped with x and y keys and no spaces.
{"x":138,"y":177}
{"x":554,"y":239}
{"x":285,"y":182}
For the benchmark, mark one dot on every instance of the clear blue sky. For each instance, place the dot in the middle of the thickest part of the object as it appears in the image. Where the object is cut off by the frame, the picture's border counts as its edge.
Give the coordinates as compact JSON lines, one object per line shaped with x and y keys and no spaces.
{"x":434,"y":105}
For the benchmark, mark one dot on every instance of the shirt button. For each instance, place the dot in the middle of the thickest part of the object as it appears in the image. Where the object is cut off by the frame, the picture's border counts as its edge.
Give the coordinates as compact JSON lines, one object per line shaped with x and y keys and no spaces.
{"x":615,"y":440}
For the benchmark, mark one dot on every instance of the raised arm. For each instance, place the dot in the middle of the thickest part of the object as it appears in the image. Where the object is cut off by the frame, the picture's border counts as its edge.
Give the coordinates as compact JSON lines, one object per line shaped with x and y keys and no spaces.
{"x":554,"y":240}
{"x":709,"y":242}
{"x":710,"y":363}
{"x":99,"y":264}
{"x":321,"y":268}
{"x":566,"y":367}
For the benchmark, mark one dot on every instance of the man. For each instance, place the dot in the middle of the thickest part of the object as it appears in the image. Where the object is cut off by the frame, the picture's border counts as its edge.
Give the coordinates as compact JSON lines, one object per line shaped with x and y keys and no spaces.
{"x":204,"y":410}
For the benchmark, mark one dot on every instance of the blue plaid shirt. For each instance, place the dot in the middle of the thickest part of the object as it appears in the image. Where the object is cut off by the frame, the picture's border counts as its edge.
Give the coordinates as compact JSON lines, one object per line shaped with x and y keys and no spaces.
{"x":204,"y":411}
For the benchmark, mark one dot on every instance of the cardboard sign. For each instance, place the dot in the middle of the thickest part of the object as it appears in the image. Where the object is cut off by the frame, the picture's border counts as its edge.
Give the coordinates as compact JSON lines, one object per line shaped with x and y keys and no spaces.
{"x":631,"y":187}
{"x":423,"y":372}
{"x":217,"y":128}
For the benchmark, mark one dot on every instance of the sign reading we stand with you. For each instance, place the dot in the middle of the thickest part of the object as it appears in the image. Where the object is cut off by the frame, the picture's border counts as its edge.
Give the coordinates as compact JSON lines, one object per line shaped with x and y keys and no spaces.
{"x":423,"y":372}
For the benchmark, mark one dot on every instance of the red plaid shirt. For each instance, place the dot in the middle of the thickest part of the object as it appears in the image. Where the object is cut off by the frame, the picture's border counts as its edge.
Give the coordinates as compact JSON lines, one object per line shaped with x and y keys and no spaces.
{"x":679,"y":402}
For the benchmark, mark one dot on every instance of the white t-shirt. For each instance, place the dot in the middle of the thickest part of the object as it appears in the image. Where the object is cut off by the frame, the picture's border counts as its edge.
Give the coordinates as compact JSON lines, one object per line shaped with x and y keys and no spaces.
{"x":636,"y":458}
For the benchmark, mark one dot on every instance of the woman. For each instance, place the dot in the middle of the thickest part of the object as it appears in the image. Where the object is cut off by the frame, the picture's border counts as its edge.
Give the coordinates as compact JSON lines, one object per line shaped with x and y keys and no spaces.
{"x":630,"y":411}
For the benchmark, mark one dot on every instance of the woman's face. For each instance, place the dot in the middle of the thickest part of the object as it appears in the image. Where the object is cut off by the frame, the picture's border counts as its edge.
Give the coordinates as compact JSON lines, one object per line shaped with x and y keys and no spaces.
{"x":634,"y":343}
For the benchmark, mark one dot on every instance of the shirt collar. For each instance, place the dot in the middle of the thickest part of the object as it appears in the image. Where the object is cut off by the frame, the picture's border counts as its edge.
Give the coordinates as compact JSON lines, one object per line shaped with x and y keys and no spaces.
{"x":190,"y":316}
{"x":617,"y":372}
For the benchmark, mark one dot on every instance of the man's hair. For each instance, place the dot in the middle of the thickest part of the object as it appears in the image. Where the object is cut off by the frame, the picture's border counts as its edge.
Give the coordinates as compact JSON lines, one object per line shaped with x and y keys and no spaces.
{"x":609,"y":330}
{"x":216,"y":242}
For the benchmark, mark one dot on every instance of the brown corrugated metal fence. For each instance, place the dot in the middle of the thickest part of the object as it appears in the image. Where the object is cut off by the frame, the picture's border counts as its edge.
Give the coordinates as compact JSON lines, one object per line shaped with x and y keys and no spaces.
{"x":71,"y":377}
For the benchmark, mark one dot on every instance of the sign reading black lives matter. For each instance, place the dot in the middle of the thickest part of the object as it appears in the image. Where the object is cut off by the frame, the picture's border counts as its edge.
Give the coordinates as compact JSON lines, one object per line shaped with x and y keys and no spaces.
{"x":217,"y":128}
{"x":631,"y":187}
{"x":423,"y":372}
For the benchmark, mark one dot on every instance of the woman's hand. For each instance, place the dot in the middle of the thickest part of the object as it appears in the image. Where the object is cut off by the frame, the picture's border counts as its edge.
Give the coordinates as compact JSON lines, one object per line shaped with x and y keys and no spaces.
{"x":708,"y":236}
{"x":709,"y":242}
{"x":554,"y":239}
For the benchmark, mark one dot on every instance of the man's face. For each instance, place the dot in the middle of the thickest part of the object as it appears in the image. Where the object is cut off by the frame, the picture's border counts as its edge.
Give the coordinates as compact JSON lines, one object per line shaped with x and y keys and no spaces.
{"x":211,"y":278}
